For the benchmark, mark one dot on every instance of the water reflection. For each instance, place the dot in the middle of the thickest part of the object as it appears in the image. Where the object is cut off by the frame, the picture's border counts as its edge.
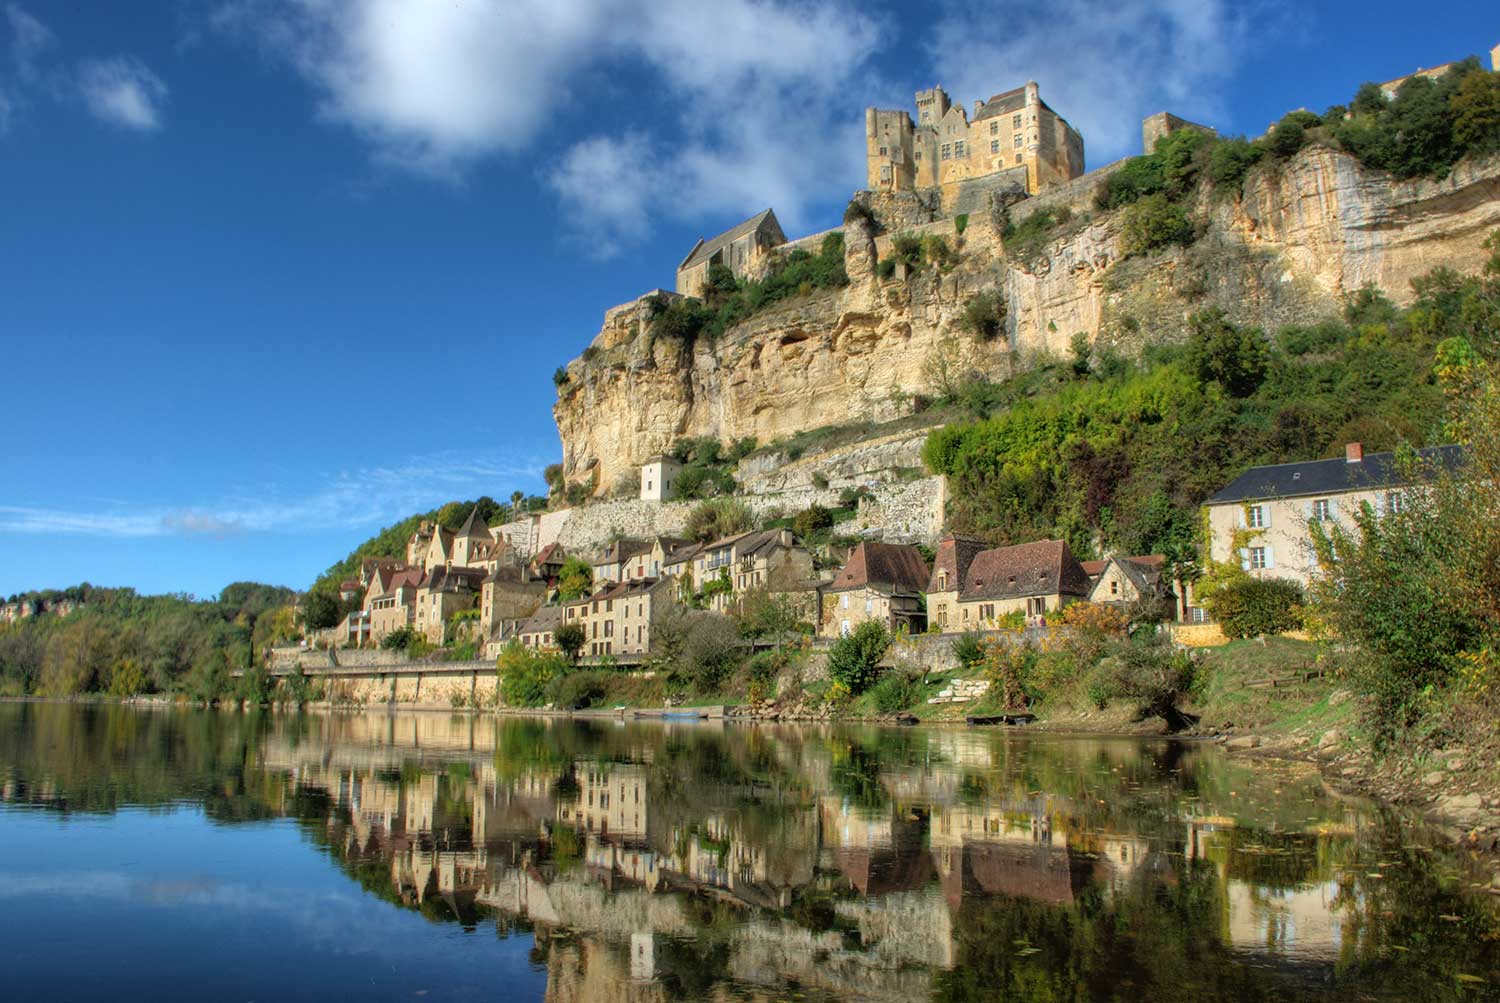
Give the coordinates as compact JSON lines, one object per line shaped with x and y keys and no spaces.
{"x":653,"y":862}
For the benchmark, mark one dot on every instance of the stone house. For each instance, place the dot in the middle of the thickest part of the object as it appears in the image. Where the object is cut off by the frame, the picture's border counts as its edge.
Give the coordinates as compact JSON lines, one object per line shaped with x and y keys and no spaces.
{"x":983,"y":586}
{"x":880,"y":581}
{"x":740,"y":249}
{"x":658,"y":474}
{"x":444,"y":591}
{"x":548,"y":563}
{"x":635,"y":559}
{"x":369,"y":566}
{"x":770,"y":559}
{"x":539,"y":632}
{"x":508,"y":593}
{"x":616,"y":619}
{"x":949,"y":566}
{"x":474,"y":546}
{"x":1014,"y":131}
{"x":1263,"y":519}
{"x":1124,"y":581}
{"x":392,"y":601}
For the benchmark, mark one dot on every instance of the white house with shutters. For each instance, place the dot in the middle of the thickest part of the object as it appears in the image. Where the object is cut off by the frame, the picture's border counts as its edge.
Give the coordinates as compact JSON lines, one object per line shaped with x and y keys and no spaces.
{"x":1264,"y":518}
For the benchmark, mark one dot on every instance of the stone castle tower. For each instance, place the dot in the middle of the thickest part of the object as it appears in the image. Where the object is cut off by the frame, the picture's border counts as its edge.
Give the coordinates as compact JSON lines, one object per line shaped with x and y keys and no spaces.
{"x":1012,"y":133}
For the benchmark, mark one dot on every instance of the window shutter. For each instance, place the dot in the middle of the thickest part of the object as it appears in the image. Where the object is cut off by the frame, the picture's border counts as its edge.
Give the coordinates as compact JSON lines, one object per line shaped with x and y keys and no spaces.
{"x":1242,"y":517}
{"x":1245,"y":558}
{"x":1307,"y":510}
{"x":1333,"y":507}
{"x":1265,"y":516}
{"x":1270,"y":556}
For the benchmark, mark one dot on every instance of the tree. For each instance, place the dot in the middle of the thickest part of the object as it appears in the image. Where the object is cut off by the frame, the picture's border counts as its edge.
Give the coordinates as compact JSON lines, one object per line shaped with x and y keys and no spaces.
{"x":1218,"y":351}
{"x":570,"y":640}
{"x":1154,"y":222}
{"x":1154,"y":674}
{"x":575,"y":579}
{"x":810,"y":520}
{"x":770,"y":614}
{"x":1251,"y":607}
{"x":854,"y":659}
{"x":1476,"y":113}
{"x":321,"y":608}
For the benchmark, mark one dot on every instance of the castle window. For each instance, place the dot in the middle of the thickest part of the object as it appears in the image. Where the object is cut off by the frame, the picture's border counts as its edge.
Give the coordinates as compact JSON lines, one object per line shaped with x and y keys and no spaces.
{"x":1018,"y":158}
{"x":947,"y":152}
{"x":994,"y":128}
{"x":882,"y":151}
{"x":1015,"y":121}
{"x":885,"y":174}
{"x":1017,"y":141}
{"x":917,"y":155}
{"x":994,"y":146}
{"x":958,"y":149}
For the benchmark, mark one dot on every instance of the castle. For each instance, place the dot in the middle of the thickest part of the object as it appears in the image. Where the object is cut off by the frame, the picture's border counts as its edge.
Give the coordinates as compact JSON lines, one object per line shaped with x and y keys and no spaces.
{"x":1013,"y":133}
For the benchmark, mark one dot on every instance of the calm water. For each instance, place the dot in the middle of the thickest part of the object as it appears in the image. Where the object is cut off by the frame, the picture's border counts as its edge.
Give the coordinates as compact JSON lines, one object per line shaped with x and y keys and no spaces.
{"x":188,"y":854}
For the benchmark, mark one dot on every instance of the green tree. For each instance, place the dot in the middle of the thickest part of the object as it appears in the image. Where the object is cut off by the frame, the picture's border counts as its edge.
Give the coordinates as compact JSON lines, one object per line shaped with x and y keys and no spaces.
{"x":575,"y":579}
{"x":321,"y":608}
{"x":1475,"y":105}
{"x":718,"y":518}
{"x":570,"y":640}
{"x":1218,"y":351}
{"x":855,"y":658}
{"x":1154,"y":222}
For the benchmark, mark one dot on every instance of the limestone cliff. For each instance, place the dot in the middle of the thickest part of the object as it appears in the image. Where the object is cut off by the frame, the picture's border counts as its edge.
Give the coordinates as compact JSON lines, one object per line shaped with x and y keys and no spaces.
{"x":1299,"y":237}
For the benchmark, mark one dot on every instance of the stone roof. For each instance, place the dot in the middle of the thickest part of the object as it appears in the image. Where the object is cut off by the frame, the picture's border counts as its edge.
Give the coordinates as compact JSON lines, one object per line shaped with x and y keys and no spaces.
{"x":1331,"y":477}
{"x":623,"y":550}
{"x":886,"y":567}
{"x":474,"y":527}
{"x":507,"y":573}
{"x":1043,"y":568}
{"x":954,"y":554}
{"x":683,"y":554}
{"x":543,"y":621}
{"x":447,"y":579}
{"x":1004,"y":103}
{"x":705,"y":249}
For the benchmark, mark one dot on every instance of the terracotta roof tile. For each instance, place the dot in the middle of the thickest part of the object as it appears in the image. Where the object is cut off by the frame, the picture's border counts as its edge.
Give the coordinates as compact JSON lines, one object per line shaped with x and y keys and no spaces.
{"x":1046,"y":567}
{"x":886,"y":566}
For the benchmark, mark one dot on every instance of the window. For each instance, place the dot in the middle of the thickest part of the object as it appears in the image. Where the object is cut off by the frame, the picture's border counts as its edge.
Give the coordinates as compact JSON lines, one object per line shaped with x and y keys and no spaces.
{"x":917,"y":155}
{"x":844,"y":601}
{"x":1114,"y":586}
{"x":1018,"y":158}
{"x":885,"y":173}
{"x":1036,"y":606}
{"x":958,"y":149}
{"x":994,"y":127}
{"x":882,"y":151}
{"x":1255,"y":516}
{"x":1258,"y":560}
{"x":1015,"y":121}
{"x":1322,"y":510}
{"x":947,"y":152}
{"x":1395,"y":502}
{"x":869,"y":606}
{"x":1016,"y":142}
{"x":987,"y":611}
{"x":994,"y":146}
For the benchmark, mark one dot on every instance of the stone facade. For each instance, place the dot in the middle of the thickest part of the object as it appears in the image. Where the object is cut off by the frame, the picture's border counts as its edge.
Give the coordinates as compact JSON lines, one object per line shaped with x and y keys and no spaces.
{"x":1015,"y":130}
{"x":657,"y":475}
{"x":617,"y":619}
{"x":741,"y":249}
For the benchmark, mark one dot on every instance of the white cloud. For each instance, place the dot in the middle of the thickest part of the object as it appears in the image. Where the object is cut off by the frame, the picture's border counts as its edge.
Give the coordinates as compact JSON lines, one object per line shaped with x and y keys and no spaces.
{"x":367,"y":497}
{"x":1101,"y":64}
{"x":750,"y":91}
{"x":123,"y":92}
{"x":28,"y":38}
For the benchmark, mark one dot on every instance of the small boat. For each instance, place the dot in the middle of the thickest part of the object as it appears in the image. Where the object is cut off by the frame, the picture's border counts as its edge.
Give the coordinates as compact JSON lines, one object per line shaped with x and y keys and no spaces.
{"x":976,"y":720}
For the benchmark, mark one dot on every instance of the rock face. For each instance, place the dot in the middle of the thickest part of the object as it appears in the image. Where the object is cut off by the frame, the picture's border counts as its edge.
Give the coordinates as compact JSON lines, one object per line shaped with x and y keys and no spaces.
{"x":1301,"y":236}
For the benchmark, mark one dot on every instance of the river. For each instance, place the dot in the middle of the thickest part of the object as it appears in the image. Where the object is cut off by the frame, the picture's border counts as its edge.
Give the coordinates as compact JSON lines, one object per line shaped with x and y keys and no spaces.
{"x":188,"y":854}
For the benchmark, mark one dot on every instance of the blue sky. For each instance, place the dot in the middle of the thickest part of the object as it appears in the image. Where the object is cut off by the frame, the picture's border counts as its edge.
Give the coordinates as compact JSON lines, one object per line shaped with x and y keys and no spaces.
{"x":275,"y":273}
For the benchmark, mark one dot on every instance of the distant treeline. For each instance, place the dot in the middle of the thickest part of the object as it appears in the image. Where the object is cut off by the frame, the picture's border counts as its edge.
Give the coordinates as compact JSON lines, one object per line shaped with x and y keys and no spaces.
{"x":123,"y":643}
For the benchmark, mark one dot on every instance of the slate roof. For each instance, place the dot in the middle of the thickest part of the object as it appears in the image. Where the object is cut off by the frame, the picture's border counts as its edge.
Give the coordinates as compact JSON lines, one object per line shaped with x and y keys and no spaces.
{"x":954,"y":554}
{"x":446,"y":579}
{"x":705,"y":248}
{"x":1330,"y":477}
{"x":474,"y":527}
{"x":1043,"y":568}
{"x":683,"y":554}
{"x":1004,"y":103}
{"x":623,"y":550}
{"x":544,"y":620}
{"x":886,"y":567}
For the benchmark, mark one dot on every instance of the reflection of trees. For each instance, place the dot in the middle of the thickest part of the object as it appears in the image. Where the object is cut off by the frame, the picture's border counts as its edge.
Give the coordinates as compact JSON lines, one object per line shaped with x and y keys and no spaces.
{"x":859,"y":861}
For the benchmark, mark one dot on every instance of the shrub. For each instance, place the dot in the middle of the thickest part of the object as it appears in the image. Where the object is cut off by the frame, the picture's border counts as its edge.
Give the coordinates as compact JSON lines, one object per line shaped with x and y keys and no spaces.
{"x":896,"y":691}
{"x":559,"y":376}
{"x":524,"y":675}
{"x":984,"y":315}
{"x":1024,"y":241}
{"x":577,"y":690}
{"x":857,"y":211}
{"x":399,"y":639}
{"x":1136,"y":178}
{"x":1154,"y":674}
{"x":1230,"y":160}
{"x":853,"y":660}
{"x":1093,"y":626}
{"x":820,"y":481}
{"x":961,"y":222}
{"x":1289,"y":134}
{"x":885,"y":268}
{"x":1010,"y":669}
{"x":1152,"y":223}
{"x":810,"y":520}
{"x":591,"y":353}
{"x":968,"y":649}
{"x":1251,"y":607}
{"x":717,"y":518}
{"x":907,"y":249}
{"x":936,"y":251}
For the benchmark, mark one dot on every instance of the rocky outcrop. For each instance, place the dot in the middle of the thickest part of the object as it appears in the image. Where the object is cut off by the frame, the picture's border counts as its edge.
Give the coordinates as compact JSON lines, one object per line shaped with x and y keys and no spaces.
{"x":1302,"y":235}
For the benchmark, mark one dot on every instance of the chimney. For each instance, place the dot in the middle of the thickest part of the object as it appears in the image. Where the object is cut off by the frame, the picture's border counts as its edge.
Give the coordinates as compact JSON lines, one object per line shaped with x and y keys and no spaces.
{"x":1354,"y":453}
{"x":978,"y":106}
